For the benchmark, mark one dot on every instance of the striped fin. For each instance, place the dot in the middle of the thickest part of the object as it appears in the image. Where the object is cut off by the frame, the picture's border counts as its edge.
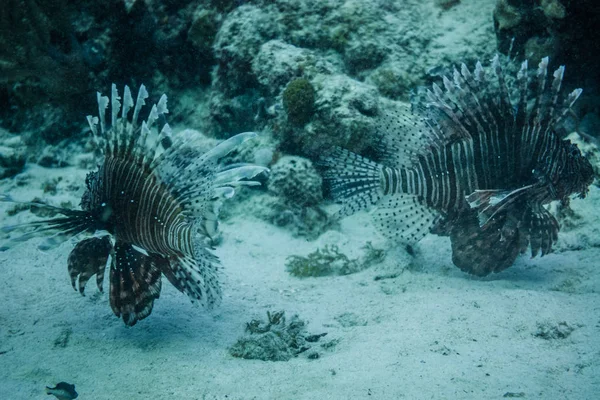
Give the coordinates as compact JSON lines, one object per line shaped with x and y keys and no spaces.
{"x":88,"y":258}
{"x":196,"y":182}
{"x":481,"y":251}
{"x":238,"y":175}
{"x":135,"y":282}
{"x":402,"y":136}
{"x":542,"y":230}
{"x":125,"y":137}
{"x":54,"y":230}
{"x":489,"y":203}
{"x":469,"y":106}
{"x":197,"y":276}
{"x":404,"y":217}
{"x":353,"y":180}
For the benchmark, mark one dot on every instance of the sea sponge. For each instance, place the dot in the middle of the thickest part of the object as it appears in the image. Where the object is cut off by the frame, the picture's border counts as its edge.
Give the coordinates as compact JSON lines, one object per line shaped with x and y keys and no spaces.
{"x":553,"y":9}
{"x":299,"y":101}
{"x":296,"y":181}
{"x":203,"y":29}
{"x":276,"y":339}
{"x":506,"y":16}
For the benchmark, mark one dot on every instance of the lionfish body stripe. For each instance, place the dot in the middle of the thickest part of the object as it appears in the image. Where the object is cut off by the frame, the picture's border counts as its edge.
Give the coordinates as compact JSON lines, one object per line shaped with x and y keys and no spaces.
{"x":472,"y":165}
{"x":157,"y":203}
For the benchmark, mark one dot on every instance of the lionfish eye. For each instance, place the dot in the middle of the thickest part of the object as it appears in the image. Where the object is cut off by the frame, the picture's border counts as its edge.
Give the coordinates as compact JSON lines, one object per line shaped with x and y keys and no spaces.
{"x":574,"y":151}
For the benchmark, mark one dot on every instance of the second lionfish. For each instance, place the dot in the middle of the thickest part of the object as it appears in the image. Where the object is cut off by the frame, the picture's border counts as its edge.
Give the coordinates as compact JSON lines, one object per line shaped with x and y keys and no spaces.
{"x":151,"y":207}
{"x":473,"y":165}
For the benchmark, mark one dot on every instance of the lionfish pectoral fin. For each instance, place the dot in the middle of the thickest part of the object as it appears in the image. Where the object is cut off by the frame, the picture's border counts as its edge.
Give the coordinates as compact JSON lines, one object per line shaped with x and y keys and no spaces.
{"x":226,"y":146}
{"x":488,"y":203}
{"x":56,"y":230}
{"x":404,"y":217}
{"x":542,"y":230}
{"x":135,"y":282}
{"x":481,"y":251}
{"x":89,"y":258}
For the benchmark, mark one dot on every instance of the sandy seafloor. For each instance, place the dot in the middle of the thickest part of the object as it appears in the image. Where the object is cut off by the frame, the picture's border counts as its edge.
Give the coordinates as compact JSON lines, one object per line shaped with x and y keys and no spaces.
{"x":432,"y":332}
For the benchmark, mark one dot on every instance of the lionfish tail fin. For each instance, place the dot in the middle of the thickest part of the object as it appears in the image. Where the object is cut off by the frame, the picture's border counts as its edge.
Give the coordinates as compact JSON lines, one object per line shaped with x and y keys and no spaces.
{"x":354,"y":181}
{"x":135,"y":282}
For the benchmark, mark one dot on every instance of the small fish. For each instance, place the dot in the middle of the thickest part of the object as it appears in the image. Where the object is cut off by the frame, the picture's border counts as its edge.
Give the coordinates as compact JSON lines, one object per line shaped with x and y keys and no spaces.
{"x":62,"y":391}
{"x":473,"y":165}
{"x":151,"y":207}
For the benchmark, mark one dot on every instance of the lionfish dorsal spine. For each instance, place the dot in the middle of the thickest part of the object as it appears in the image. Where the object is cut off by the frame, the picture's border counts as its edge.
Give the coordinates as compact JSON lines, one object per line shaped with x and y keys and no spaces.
{"x":139,"y":103}
{"x":102,"y":106}
{"x":127,"y":103}
{"x":115,"y":106}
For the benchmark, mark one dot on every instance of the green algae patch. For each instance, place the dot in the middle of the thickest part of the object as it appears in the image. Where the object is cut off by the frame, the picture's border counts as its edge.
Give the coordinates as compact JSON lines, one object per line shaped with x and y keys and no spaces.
{"x":299,"y":101}
{"x":330,"y":261}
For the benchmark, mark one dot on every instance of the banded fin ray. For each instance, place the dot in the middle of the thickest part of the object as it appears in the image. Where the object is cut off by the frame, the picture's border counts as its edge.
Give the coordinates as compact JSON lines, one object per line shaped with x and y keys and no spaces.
{"x":60,"y":229}
{"x":135,"y":282}
{"x":354,"y":181}
{"x":88,"y":258}
{"x":404,"y":217}
{"x":401,"y":137}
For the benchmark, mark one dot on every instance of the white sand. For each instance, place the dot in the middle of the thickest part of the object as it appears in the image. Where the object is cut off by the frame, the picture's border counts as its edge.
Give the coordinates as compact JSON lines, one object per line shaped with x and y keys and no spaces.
{"x":432,"y":332}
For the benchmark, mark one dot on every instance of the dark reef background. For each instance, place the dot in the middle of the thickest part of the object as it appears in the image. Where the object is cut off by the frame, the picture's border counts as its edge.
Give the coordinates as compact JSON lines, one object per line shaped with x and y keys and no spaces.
{"x":226,"y":64}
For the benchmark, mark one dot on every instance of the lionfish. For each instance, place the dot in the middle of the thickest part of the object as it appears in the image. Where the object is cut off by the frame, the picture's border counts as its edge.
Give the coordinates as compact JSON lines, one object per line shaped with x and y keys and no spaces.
{"x":151,"y":207}
{"x":472,"y":164}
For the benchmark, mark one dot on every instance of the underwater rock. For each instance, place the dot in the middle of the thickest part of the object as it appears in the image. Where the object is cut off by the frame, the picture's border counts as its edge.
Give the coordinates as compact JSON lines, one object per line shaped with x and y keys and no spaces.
{"x":293,"y":198}
{"x":446,"y":4}
{"x":238,"y":41}
{"x":274,"y":340}
{"x":13,"y":155}
{"x":232,"y":113}
{"x":296,"y":181}
{"x":551,"y":331}
{"x":362,"y":55}
{"x":54,"y":53}
{"x":278,"y":63}
{"x":506,"y":15}
{"x":306,"y":222}
{"x":393,"y":80}
{"x":325,"y":43}
{"x":203,"y":30}
{"x":559,"y":29}
{"x":344,"y":115}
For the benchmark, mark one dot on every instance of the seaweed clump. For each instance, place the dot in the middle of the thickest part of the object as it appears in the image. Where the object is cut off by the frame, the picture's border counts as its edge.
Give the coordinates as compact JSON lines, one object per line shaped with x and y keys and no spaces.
{"x":299,"y":101}
{"x":275,"y":340}
{"x":330,"y":261}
